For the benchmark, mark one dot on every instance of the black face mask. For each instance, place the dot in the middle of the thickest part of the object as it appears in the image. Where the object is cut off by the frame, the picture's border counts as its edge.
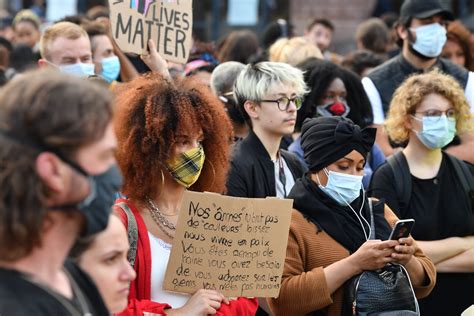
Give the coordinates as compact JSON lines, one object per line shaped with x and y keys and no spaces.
{"x":97,"y":205}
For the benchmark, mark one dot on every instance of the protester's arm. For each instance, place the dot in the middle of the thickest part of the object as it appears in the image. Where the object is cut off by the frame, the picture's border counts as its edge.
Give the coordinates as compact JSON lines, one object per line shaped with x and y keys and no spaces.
{"x":464,"y":262}
{"x":304,"y":291}
{"x":464,"y":151}
{"x":371,"y":255}
{"x":420,"y":268}
{"x":140,"y":307}
{"x":443,"y":249}
{"x":241,"y":306}
{"x":127,"y":70}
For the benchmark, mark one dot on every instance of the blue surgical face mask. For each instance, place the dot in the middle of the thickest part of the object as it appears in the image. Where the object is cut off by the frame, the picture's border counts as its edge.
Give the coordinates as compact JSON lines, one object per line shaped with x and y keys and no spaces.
{"x":110,"y":68}
{"x":341,"y":187}
{"x":437,"y":131}
{"x":430,"y":39}
{"x":78,"y":69}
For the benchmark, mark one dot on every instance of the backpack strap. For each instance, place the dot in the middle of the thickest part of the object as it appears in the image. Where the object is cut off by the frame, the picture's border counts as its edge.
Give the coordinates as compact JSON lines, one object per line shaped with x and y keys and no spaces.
{"x":402,"y":177}
{"x":132,"y":231}
{"x":464,"y":175}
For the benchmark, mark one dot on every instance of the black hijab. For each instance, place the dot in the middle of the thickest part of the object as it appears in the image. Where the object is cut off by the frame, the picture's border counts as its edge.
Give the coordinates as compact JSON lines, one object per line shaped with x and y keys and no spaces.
{"x":325,"y":140}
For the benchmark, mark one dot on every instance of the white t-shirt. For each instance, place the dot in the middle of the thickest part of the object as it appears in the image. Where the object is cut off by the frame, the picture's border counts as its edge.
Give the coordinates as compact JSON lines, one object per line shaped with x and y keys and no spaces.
{"x":160,"y":255}
{"x":376,"y":101}
{"x":290,"y":182}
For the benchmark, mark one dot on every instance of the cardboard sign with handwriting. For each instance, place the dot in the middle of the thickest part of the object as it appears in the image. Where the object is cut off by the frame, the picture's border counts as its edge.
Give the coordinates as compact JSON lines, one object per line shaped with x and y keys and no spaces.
{"x":236,"y":246}
{"x":168,"y":23}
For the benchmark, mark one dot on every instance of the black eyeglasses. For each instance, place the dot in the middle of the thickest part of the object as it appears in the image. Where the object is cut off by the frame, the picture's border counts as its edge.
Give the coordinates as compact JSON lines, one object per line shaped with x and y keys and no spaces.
{"x":283,"y":103}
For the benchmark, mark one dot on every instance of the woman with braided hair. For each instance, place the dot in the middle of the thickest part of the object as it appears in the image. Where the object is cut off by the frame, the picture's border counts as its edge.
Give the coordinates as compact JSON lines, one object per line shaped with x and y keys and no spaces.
{"x":172,"y":136}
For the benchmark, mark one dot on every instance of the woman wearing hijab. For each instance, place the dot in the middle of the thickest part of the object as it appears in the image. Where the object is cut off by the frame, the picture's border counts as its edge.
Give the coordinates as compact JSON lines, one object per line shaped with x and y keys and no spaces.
{"x":330,"y":227}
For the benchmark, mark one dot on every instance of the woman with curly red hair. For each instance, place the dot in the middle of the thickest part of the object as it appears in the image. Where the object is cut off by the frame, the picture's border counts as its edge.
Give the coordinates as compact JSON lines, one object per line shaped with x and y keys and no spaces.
{"x":171,"y":137}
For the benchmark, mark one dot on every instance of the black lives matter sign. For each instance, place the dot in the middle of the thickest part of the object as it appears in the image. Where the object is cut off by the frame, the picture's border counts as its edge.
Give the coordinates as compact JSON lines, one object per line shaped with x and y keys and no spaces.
{"x":168,"y":23}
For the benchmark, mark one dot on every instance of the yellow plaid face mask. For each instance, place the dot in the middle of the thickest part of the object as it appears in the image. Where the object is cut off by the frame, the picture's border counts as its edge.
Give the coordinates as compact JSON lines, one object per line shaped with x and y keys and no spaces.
{"x":186,"y":167}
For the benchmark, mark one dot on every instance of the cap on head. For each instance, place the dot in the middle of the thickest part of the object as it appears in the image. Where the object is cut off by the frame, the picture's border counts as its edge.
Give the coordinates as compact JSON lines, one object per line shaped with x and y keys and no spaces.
{"x":422,"y":9}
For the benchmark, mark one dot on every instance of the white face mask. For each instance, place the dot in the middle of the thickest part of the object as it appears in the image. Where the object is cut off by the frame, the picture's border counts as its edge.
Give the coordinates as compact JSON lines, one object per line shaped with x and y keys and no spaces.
{"x":110,"y":68}
{"x":78,"y":69}
{"x":436,"y":132}
{"x":430,"y":39}
{"x":344,"y":189}
{"x":341,"y":187}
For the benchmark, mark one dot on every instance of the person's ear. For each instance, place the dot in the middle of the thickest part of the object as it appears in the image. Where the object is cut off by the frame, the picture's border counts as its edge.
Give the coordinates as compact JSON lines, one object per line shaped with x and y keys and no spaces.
{"x":402,"y":32}
{"x":51,"y":171}
{"x":319,"y":177}
{"x":408,"y":123}
{"x":98,"y":67}
{"x":252,"y":109}
{"x":42,"y":63}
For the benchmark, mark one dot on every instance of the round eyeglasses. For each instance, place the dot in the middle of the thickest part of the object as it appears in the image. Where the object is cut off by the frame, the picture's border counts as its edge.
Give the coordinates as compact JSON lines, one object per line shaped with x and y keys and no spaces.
{"x":283,"y":103}
{"x":436,"y":114}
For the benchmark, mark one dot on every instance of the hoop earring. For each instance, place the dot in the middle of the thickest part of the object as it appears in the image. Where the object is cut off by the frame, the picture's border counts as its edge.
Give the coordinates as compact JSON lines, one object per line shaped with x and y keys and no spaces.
{"x":162,"y":184}
{"x":213,"y":173}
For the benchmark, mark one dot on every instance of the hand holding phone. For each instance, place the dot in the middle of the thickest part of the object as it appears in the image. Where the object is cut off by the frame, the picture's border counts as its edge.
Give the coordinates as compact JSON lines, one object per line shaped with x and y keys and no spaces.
{"x":402,"y":229}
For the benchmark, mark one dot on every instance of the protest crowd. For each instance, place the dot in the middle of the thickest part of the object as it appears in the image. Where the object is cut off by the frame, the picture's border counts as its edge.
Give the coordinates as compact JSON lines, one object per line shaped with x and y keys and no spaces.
{"x":101,"y":148}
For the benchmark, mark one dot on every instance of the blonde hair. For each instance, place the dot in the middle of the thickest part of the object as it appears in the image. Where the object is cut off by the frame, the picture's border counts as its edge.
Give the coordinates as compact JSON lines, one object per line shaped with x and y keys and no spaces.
{"x":293,"y":50}
{"x":28,"y":16}
{"x":62,"y":29}
{"x":411,"y":93}
{"x":256,"y":80}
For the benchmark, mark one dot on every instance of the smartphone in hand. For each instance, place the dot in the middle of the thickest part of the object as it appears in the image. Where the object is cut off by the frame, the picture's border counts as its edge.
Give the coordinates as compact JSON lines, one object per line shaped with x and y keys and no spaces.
{"x":402,"y":229}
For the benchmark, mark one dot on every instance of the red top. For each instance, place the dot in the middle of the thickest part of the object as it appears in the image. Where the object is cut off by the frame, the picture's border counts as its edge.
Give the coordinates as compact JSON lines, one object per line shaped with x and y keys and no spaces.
{"x":140,"y":289}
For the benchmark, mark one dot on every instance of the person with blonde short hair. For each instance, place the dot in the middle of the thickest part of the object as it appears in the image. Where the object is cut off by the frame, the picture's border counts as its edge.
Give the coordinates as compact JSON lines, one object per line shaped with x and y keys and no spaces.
{"x":293,"y":50}
{"x":66,"y":46}
{"x":26,"y":26}
{"x":268,"y":95}
{"x":426,"y":112}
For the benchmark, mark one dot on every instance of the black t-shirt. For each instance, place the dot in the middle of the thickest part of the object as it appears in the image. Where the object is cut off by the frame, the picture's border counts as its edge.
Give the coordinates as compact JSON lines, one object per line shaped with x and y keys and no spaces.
{"x":441,"y":209}
{"x":19,"y":296}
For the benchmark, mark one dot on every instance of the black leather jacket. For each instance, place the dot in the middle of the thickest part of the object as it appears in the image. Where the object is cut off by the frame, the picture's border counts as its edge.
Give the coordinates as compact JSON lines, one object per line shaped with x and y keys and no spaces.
{"x":252,"y":172}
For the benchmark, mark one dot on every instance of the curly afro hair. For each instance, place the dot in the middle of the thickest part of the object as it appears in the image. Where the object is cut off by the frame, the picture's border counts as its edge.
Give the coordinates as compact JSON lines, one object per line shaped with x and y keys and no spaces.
{"x":151,"y":111}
